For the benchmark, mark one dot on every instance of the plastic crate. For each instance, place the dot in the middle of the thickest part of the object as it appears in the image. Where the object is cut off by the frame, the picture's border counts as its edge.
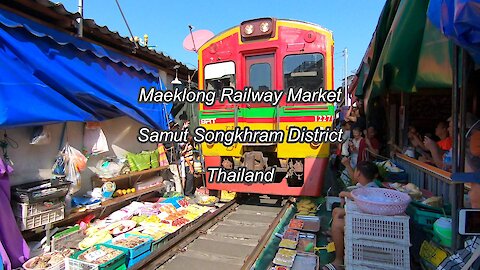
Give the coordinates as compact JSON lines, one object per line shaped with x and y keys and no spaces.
{"x":40,"y":191}
{"x":158,"y":243}
{"x":67,"y":239}
{"x":394,"y":229}
{"x":422,"y":217}
{"x":119,"y":262}
{"x":364,"y":254}
{"x":133,"y":261}
{"x":135,"y":251}
{"x":59,"y":266}
{"x":42,"y":219}
{"x":25,"y":210}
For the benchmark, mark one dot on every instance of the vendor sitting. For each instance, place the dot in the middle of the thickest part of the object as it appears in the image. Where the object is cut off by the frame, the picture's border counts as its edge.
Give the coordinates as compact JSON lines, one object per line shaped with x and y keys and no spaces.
{"x":363,"y":175}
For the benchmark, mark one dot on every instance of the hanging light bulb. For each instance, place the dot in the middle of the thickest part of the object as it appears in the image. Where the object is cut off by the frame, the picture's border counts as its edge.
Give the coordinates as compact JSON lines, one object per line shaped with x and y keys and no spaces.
{"x":176,"y":80}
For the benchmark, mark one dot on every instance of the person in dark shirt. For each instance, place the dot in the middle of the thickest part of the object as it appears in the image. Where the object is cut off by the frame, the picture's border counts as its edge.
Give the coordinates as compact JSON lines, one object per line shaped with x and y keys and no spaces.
{"x":373,"y":144}
{"x":188,"y":155}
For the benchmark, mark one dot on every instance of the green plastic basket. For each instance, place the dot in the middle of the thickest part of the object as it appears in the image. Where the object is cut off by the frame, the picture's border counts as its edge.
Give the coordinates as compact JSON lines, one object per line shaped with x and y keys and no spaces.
{"x":116,"y":263}
{"x":424,"y":217}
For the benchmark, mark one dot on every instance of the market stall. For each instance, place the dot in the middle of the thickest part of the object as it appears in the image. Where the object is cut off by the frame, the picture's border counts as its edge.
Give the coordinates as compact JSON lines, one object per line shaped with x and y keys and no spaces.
{"x":123,"y":238}
{"x":71,"y":115}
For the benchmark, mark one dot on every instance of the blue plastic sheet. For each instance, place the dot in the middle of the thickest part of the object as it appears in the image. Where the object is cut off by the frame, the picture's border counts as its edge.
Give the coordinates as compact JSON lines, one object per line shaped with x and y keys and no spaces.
{"x":47,"y":76}
{"x":459,"y":20}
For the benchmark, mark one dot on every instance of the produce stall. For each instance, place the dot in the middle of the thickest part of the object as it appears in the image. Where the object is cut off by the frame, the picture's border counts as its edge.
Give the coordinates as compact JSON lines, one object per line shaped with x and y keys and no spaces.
{"x":123,"y":238}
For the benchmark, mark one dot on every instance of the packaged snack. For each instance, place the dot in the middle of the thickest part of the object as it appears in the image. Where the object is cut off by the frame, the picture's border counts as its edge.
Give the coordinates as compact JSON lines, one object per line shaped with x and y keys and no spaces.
{"x":287,"y":243}
{"x":296,"y":224}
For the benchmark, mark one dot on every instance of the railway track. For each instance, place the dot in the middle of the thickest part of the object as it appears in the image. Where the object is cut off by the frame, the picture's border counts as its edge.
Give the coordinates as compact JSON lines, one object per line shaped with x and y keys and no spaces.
{"x":230,"y":238}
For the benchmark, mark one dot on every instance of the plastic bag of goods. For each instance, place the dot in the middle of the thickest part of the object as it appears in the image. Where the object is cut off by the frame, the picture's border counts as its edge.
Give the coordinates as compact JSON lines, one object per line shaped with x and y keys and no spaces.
{"x":109,"y":167}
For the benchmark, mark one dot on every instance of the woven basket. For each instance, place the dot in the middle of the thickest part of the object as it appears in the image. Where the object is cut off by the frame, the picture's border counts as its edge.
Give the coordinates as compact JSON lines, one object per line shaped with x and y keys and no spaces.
{"x":381,"y":201}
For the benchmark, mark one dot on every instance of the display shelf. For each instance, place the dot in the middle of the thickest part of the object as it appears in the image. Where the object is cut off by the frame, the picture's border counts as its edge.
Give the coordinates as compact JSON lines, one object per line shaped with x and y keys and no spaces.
{"x":130,"y":196}
{"x":129,"y":175}
{"x":111,"y":203}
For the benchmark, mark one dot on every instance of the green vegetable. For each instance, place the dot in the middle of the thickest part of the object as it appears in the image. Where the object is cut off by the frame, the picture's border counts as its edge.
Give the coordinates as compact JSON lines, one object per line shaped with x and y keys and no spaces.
{"x":172,"y":194}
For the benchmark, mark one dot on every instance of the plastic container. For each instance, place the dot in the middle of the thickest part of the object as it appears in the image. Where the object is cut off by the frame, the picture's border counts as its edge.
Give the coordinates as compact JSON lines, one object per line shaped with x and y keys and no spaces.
{"x":119,"y":262}
{"x":59,"y":266}
{"x":157,"y":244}
{"x":424,"y":217}
{"x":442,"y":228}
{"x":381,"y":201}
{"x":310,"y":223}
{"x":132,"y":261}
{"x":373,"y":255}
{"x":393,"y":229}
{"x":67,"y":239}
{"x":135,"y":251}
{"x":25,"y":210}
{"x":40,"y":191}
{"x":42,"y":219}
{"x":306,"y":261}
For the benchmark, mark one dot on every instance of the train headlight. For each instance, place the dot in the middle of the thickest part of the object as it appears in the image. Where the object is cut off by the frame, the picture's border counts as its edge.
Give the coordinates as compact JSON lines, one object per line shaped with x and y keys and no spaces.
{"x":249,"y":29}
{"x":264,"y":27}
{"x":314,"y":145}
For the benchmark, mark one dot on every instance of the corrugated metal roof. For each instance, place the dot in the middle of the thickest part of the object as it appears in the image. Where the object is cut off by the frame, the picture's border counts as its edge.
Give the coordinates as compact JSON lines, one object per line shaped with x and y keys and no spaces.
{"x":100,"y":34}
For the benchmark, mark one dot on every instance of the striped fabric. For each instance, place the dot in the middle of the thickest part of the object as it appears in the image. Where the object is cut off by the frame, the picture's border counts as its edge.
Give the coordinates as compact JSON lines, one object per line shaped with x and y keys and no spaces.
{"x":459,"y":259}
{"x":188,"y":153}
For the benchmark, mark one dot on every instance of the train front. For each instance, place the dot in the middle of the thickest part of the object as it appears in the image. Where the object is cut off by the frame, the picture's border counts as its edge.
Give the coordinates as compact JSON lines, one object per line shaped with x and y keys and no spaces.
{"x":269,"y":55}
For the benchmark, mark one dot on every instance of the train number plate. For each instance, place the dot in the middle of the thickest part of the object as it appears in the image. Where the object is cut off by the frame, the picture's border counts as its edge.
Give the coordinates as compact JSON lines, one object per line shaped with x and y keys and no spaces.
{"x":323,"y":118}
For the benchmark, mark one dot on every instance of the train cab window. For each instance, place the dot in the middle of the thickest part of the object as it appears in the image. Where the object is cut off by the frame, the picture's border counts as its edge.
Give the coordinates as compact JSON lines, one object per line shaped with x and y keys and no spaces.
{"x":303,"y":70}
{"x":261,"y":76}
{"x":219,"y":75}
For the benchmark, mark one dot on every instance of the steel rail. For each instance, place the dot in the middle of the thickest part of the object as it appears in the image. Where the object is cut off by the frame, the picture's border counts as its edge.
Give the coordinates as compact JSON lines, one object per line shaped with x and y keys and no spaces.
{"x":179,"y":241}
{"x":250,"y":260}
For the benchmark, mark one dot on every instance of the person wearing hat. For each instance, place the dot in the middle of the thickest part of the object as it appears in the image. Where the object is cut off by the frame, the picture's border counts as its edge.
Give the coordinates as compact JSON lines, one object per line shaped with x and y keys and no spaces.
{"x":471,"y":253}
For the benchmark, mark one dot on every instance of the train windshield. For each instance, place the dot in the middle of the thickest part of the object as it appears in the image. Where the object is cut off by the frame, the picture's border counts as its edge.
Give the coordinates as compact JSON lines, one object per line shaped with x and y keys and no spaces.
{"x":219,"y":75}
{"x":303,"y":70}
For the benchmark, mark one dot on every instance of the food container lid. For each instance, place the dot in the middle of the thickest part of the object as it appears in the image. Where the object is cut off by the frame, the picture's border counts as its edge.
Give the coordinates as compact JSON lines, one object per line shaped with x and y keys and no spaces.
{"x":443,"y":223}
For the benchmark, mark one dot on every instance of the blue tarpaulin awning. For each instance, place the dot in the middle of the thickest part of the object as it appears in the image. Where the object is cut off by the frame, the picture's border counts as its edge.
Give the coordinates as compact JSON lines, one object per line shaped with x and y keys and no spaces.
{"x":458,"y":20}
{"x":48,"y":76}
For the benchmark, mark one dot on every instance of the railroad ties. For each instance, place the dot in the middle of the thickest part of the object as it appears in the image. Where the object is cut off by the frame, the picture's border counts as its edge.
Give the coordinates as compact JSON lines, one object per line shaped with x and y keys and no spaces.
{"x":230,"y":242}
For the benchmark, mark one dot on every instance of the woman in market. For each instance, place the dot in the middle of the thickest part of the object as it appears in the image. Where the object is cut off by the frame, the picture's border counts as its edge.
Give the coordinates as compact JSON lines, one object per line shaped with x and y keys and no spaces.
{"x":363,"y":176}
{"x":357,"y":147}
{"x":357,"y":153}
{"x":189,"y":170}
{"x":371,"y":141}
{"x":438,"y":154}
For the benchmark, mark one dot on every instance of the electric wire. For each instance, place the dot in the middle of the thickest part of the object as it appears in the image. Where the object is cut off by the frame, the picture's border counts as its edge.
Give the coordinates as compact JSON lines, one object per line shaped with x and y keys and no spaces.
{"x":126,"y":23}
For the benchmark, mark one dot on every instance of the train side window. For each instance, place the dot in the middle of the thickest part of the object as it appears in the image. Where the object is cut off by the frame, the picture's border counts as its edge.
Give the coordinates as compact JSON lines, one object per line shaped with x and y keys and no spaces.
{"x":220,"y":75}
{"x":261,"y":76}
{"x":303,"y":70}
